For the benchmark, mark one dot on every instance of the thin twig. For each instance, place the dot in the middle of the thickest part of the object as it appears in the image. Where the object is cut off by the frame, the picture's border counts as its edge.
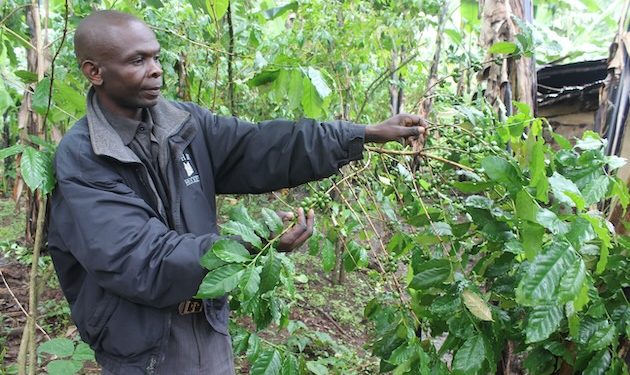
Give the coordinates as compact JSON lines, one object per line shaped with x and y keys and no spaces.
{"x":17,"y":301}
{"x":191,"y":41}
{"x":419,"y":153}
{"x":28,"y":44}
{"x":12,"y":12}
{"x":380,"y":79}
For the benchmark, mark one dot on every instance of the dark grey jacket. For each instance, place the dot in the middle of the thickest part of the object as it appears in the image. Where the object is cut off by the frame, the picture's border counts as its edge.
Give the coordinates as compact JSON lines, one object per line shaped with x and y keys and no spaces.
{"x":123,"y":265}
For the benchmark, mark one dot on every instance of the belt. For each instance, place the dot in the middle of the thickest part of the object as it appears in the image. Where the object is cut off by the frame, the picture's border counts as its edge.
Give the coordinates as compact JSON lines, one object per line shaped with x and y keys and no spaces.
{"x":191,"y":306}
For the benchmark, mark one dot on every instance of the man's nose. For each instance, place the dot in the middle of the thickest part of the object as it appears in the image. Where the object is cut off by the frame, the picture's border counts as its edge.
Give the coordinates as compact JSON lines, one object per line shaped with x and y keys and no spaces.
{"x":155,"y":69}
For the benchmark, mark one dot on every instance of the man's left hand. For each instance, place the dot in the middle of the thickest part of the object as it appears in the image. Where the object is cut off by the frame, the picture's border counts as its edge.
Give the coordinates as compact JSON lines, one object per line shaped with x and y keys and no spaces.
{"x":397,"y":128}
{"x":299,"y":233}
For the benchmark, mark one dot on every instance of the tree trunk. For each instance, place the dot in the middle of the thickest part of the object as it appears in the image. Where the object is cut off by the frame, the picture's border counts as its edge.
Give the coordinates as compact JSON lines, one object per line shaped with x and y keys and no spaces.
{"x":513,"y":78}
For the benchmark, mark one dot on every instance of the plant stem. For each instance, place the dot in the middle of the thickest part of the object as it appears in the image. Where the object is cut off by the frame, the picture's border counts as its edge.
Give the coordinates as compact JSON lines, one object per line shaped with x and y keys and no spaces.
{"x":32,"y":305}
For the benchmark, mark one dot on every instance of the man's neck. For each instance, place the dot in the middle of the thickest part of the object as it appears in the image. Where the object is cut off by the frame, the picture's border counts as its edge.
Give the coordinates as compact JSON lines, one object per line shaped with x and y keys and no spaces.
{"x":131,"y":113}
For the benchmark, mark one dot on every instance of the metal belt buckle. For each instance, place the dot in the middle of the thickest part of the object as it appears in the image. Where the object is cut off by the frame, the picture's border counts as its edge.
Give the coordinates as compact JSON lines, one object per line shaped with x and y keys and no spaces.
{"x":192,"y":306}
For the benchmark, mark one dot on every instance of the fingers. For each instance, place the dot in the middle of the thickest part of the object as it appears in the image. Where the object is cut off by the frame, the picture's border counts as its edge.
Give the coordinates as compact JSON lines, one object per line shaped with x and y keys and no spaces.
{"x":415,"y":125}
{"x":299,"y":233}
{"x":285,"y":216}
{"x":412,"y":120}
{"x":308,"y":227}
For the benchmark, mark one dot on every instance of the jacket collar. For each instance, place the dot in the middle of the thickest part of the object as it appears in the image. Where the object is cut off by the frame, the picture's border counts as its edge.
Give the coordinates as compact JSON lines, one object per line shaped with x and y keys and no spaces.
{"x":167,"y":120}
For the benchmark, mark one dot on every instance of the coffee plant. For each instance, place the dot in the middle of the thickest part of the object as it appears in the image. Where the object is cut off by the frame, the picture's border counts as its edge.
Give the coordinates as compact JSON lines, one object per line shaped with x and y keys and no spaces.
{"x":499,"y":257}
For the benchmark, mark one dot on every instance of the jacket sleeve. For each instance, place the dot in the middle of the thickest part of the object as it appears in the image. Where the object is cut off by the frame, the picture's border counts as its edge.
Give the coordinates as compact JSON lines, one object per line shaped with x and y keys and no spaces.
{"x":116,"y":237}
{"x":250,"y":158}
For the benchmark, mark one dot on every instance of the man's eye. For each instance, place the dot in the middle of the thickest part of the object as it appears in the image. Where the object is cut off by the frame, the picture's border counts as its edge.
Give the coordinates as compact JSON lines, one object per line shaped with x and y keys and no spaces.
{"x":137,"y":62}
{"x":156,"y":58}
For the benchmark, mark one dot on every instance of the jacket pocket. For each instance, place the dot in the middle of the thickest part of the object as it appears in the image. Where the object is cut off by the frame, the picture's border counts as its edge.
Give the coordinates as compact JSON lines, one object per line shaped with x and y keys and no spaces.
{"x":104,"y":309}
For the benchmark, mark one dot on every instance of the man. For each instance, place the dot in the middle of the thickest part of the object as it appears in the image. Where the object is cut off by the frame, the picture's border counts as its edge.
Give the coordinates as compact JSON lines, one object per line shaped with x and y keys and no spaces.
{"x":134,"y":207}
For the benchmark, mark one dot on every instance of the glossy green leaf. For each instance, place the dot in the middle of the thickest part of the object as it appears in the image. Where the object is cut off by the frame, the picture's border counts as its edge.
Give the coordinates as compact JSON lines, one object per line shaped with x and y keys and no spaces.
{"x":239,"y":214}
{"x":580,"y":232}
{"x":263,"y":78}
{"x":275,"y":12}
{"x":620,"y":191}
{"x":311,"y":101}
{"x":503,"y":48}
{"x":60,"y":347}
{"x":242,"y":230}
{"x":550,"y":220}
{"x":37,"y":170}
{"x":6,"y":101}
{"x":471,"y":187}
{"x":220,"y":281}
{"x":290,"y":365}
{"x":430,"y":273}
{"x":572,"y":281}
{"x":231,"y":251}
{"x":210,"y":261}
{"x":479,"y":201}
{"x":41,"y":95}
{"x":328,"y":255}
{"x":526,"y":207}
{"x":316,"y":368}
{"x":599,"y":363}
{"x":590,"y":141}
{"x":602,"y":337}
{"x":11,"y":150}
{"x":615,"y":162}
{"x":272,"y":220}
{"x":604,"y":234}
{"x":562,"y":141}
{"x":254,"y":345}
{"x":267,"y":363}
{"x":317,"y":80}
{"x":565,"y":191}
{"x":469,"y":358}
{"x":532,"y":235}
{"x":295,"y":88}
{"x":270,"y":274}
{"x":596,"y":190}
{"x":469,"y":10}
{"x":503,"y":172}
{"x":540,"y":283}
{"x":26,"y":76}
{"x":69,"y":97}
{"x":441,"y":229}
{"x":217,"y":8}
{"x":250,"y":282}
{"x":542,"y":321}
{"x":354,"y":257}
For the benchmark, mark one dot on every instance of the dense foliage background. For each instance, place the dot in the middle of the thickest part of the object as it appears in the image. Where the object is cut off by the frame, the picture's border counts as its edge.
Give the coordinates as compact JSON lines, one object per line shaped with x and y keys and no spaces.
{"x":485,"y":253}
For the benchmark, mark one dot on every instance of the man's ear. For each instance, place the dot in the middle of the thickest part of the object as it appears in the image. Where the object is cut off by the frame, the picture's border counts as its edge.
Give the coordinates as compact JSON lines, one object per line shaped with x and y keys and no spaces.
{"x":92,"y":72}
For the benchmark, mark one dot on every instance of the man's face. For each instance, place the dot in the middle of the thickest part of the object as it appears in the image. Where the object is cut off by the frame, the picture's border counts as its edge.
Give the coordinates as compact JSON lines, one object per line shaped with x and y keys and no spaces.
{"x":130,"y":70}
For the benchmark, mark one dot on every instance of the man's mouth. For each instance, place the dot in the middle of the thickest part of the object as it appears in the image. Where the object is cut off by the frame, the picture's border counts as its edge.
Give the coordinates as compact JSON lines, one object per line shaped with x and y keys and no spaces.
{"x":153,"y":91}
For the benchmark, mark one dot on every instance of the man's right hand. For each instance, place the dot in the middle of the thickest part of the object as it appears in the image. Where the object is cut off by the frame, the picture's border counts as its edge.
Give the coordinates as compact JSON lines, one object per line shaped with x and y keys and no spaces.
{"x":397,"y":128}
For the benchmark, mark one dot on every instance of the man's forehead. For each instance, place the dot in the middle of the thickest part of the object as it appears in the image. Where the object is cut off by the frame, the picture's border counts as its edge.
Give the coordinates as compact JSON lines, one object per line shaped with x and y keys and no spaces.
{"x":133,"y":37}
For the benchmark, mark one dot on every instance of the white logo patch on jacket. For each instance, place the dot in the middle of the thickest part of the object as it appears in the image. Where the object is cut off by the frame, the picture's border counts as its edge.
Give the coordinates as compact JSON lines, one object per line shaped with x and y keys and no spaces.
{"x":192,"y":176}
